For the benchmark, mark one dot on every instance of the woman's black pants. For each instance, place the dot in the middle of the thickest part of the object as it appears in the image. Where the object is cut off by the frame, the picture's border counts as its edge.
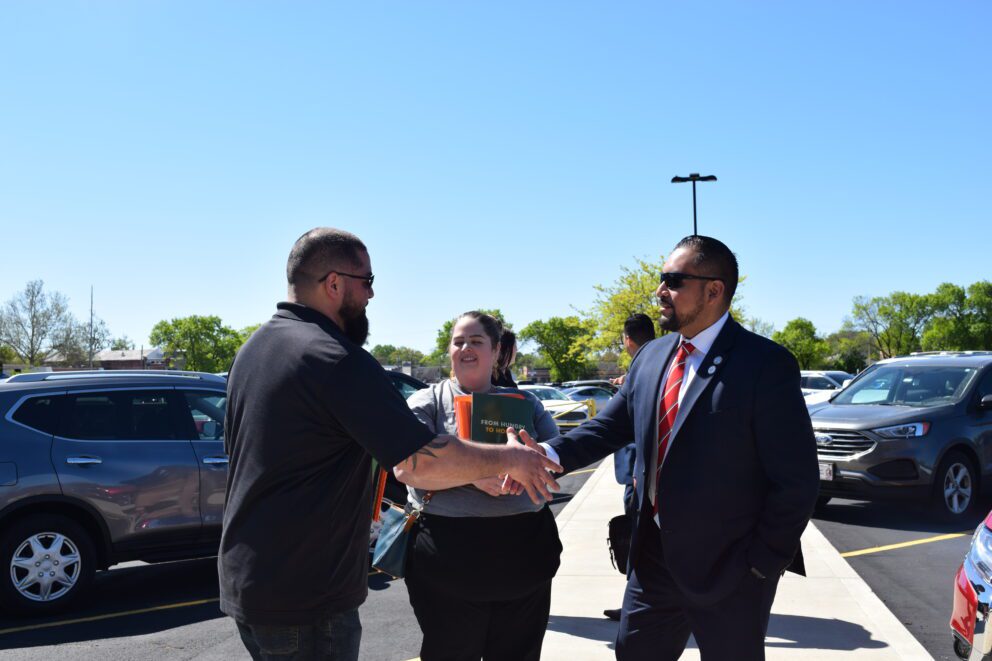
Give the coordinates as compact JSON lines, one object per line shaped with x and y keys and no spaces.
{"x":481,"y":588}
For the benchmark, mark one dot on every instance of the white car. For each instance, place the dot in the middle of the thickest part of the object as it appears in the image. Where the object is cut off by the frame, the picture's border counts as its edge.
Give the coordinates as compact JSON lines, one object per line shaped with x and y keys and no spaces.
{"x":820,"y":386}
{"x":598,"y":394}
{"x":567,"y":414}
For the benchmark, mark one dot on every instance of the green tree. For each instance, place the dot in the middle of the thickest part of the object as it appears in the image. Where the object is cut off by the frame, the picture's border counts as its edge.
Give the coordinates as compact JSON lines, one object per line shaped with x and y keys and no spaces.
{"x":759,"y":326}
{"x":799,"y":337}
{"x":895,"y":322}
{"x":962,"y":319}
{"x":562,"y":341}
{"x":633,"y":291}
{"x":76,"y":342}
{"x":849,"y":350}
{"x":7,"y":355}
{"x":980,"y":305}
{"x":123,"y":343}
{"x":31,"y":319}
{"x":949,"y":329}
{"x":387,"y":354}
{"x":440,"y":354}
{"x":202,"y":342}
{"x":247,"y":332}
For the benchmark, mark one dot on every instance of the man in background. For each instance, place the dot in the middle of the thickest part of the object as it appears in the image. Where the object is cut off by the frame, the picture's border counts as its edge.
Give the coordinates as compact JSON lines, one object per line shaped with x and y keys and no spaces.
{"x":638,"y":330}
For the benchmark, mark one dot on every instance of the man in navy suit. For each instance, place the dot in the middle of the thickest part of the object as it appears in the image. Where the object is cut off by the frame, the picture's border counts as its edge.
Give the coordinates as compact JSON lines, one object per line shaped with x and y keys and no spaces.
{"x":726,"y":466}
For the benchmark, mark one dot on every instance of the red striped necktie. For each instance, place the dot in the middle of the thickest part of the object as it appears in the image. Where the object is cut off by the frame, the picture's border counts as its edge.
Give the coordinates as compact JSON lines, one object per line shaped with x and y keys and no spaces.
{"x":669,"y":408}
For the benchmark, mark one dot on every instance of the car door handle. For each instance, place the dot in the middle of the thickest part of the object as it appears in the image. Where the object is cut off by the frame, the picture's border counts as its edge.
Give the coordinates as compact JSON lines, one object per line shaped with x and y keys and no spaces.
{"x":215,"y":460}
{"x":83,"y":461}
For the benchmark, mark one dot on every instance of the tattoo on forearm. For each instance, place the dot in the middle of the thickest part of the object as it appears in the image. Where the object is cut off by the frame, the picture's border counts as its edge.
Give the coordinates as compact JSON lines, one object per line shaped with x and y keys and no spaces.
{"x":427,"y":450}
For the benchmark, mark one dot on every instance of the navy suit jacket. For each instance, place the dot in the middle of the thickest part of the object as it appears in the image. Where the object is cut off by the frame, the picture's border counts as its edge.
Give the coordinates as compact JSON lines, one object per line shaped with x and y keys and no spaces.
{"x":740,"y":480}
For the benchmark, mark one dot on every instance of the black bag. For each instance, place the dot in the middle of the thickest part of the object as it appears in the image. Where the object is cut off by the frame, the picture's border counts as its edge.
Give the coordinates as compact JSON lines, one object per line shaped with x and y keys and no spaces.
{"x":618,"y":541}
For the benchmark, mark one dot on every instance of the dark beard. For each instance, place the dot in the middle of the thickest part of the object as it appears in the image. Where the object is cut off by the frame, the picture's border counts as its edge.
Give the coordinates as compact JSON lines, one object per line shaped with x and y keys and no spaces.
{"x":356,"y":324}
{"x":677,"y":323}
{"x":671,"y":324}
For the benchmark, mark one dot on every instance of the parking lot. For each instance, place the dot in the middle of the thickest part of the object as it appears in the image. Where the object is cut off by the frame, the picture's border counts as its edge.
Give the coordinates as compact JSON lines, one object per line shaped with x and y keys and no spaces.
{"x":170,"y":611}
{"x":907,"y":556}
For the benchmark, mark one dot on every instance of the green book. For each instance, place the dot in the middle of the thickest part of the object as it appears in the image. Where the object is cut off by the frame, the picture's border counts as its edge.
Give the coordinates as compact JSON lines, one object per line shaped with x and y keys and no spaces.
{"x":492,"y":414}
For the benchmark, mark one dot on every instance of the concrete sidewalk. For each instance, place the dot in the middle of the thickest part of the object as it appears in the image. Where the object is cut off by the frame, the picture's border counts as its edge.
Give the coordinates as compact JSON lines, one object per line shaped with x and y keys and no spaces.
{"x":830,"y":614}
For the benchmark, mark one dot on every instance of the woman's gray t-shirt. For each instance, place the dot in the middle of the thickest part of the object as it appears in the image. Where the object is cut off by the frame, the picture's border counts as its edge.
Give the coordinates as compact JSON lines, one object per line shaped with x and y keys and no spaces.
{"x":435,"y":407}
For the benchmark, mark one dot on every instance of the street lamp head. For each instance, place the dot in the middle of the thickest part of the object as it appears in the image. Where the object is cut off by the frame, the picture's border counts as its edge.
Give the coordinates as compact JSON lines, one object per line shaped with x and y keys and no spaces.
{"x":693,"y":177}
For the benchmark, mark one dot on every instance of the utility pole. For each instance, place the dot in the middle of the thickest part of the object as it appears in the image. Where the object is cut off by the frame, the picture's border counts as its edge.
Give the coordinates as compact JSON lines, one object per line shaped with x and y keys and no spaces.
{"x":89,"y":340}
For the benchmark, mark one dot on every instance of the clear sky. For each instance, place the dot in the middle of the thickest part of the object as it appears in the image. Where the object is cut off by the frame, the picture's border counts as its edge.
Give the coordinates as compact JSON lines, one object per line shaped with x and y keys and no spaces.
{"x":510,"y":154}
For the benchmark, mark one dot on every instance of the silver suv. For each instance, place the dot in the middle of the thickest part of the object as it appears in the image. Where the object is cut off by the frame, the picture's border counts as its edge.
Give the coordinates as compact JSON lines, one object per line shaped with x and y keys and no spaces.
{"x":101,"y":467}
{"x":917,"y":426}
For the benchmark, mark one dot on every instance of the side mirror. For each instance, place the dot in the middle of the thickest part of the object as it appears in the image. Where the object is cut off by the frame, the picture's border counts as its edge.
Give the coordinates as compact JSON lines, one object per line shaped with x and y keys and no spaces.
{"x":986,"y":403}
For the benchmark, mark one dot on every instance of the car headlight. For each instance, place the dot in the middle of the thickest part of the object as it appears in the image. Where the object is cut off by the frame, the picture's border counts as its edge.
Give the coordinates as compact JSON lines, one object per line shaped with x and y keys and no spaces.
{"x":981,"y":551}
{"x":908,"y":430}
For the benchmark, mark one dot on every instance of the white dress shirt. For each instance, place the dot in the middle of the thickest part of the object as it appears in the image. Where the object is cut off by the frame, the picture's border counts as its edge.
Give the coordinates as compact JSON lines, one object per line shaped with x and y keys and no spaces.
{"x":702,"y":342}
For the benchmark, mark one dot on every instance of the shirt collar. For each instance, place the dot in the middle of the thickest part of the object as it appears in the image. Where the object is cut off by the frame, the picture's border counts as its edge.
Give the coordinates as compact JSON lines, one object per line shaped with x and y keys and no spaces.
{"x":703,"y":342}
{"x":301,"y":312}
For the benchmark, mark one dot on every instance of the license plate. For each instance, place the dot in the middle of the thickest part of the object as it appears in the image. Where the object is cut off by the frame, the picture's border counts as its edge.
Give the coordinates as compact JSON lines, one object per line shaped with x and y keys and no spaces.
{"x":826,"y":471}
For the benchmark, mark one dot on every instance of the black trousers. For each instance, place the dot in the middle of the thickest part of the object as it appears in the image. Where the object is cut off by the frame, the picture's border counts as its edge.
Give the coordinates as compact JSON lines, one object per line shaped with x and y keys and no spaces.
{"x":657,"y":619}
{"x":481,"y":588}
{"x":469,"y":630}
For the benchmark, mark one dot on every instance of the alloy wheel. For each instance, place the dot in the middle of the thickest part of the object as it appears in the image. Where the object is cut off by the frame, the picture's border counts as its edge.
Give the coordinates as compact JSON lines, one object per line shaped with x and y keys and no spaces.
{"x":957,"y":488}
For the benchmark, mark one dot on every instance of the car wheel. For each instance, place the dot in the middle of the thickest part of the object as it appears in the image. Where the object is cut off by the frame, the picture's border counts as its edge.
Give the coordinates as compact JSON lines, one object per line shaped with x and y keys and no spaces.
{"x":955,"y":486}
{"x":962,"y":649}
{"x":50,"y":560}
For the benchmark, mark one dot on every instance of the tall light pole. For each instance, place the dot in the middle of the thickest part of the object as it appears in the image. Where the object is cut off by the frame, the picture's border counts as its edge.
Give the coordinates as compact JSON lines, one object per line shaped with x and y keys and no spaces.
{"x":694,"y":177}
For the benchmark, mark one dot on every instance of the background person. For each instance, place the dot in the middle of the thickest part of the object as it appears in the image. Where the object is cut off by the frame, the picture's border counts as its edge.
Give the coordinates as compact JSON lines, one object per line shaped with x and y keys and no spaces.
{"x":507,"y":356}
{"x":638,"y":330}
{"x":480,"y":563}
{"x":307,"y":408}
{"x":726,"y":461}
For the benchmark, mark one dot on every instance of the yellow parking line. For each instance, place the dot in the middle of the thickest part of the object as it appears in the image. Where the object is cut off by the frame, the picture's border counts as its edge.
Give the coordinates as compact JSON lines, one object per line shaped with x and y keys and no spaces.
{"x":585,"y":470}
{"x":108,"y":616}
{"x":915,"y":542}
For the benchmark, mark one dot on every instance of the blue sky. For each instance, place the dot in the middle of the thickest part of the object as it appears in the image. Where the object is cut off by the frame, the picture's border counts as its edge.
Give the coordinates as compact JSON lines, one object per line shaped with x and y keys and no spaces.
{"x":509,"y":155}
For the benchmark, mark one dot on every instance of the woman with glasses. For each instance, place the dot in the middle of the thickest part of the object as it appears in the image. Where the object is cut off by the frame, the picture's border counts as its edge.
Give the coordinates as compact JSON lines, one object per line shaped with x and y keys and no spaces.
{"x":481,"y":560}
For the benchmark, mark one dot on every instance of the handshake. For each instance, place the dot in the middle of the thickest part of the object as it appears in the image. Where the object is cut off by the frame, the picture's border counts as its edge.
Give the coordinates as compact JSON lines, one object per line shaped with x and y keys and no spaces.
{"x":504,"y":484}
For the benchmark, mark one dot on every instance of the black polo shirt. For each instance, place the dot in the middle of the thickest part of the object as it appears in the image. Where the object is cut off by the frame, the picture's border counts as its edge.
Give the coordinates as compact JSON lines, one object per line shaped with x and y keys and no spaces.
{"x":307,"y":410}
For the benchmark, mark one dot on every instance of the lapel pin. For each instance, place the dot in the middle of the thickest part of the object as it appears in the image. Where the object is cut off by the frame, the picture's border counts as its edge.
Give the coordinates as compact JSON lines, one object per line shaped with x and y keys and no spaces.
{"x":718,"y":360}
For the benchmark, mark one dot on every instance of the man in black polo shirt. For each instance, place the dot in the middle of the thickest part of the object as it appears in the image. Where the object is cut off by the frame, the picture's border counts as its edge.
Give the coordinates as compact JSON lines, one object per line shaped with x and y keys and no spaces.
{"x":307,"y":410}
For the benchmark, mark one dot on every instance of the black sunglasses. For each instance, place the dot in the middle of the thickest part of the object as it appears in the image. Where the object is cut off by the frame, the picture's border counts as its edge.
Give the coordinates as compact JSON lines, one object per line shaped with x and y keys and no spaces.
{"x":676,"y":280}
{"x":367,"y":279}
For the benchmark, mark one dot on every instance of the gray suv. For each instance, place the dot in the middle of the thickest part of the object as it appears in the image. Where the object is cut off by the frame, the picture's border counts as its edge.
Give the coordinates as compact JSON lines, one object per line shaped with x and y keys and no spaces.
{"x":101,"y":467}
{"x":917,"y":426}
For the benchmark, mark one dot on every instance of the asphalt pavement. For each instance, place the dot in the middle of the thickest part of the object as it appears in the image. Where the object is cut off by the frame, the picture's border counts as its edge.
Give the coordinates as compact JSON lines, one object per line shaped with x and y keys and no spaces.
{"x":907,"y":556}
{"x":169,"y":611}
{"x":901,"y":564}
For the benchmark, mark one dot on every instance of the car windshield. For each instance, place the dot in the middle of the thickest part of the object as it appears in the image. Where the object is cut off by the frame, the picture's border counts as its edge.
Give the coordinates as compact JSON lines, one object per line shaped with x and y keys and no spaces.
{"x":547,"y":393}
{"x":915,"y":385}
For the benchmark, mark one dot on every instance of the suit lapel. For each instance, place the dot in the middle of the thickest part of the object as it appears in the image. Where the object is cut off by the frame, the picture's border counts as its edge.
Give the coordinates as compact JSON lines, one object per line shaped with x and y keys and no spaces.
{"x":710,"y":366}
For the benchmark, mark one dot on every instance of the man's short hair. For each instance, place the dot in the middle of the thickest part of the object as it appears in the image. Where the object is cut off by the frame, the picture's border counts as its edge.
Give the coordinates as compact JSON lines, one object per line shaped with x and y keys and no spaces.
{"x":713,"y":258}
{"x":320,"y":250}
{"x":639,"y":328}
